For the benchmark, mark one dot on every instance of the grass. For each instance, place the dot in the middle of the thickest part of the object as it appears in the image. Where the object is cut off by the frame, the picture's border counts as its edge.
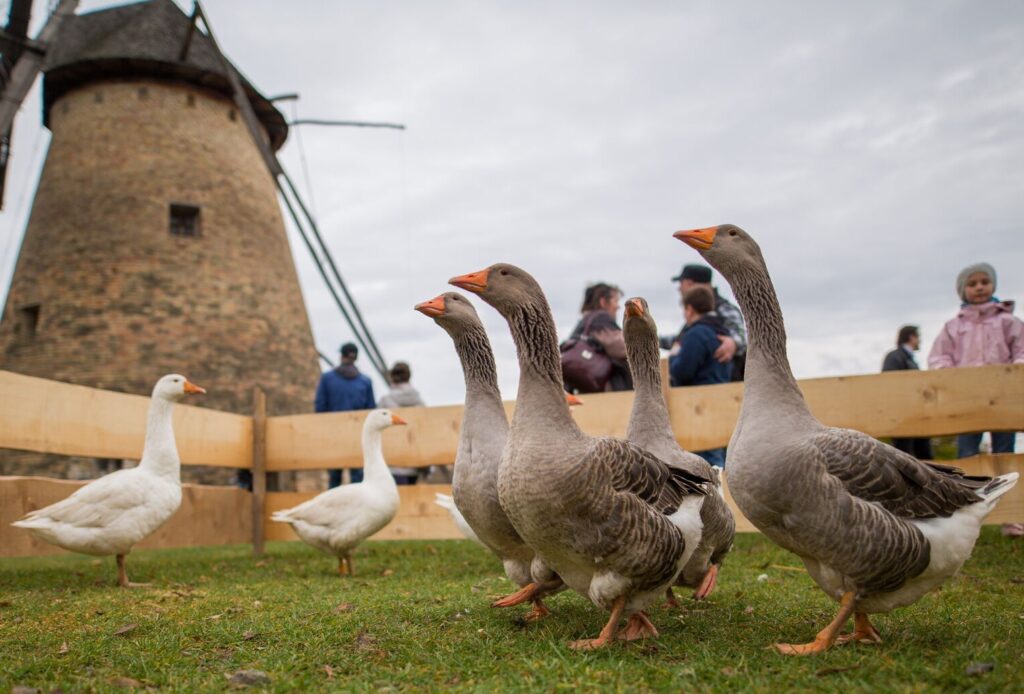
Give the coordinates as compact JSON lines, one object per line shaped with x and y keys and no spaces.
{"x":416,"y":616}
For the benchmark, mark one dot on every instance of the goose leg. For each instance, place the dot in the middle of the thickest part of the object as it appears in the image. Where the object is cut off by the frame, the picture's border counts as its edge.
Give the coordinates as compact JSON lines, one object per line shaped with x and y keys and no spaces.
{"x":529,"y":592}
{"x":707,"y":584}
{"x":863,"y":631}
{"x":827,"y":636}
{"x":638,"y":627}
{"x":351,"y":566}
{"x":122,"y":575}
{"x":670,"y":599}
{"x":539,"y":611}
{"x":342,"y":567}
{"x":607,"y":634}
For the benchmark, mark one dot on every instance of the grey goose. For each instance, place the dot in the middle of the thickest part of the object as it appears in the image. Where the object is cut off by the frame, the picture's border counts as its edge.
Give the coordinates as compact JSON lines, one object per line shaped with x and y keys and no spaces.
{"x":875,"y":527}
{"x":616,"y":523}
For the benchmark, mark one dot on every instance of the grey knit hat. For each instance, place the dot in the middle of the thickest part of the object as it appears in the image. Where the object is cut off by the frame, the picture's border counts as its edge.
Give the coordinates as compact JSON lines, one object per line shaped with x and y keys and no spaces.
{"x":961,"y":279}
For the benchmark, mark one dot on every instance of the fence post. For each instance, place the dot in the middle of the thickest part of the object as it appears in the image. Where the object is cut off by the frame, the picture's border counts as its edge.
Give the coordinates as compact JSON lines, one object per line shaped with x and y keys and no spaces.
{"x":259,"y":466}
{"x":663,"y":367}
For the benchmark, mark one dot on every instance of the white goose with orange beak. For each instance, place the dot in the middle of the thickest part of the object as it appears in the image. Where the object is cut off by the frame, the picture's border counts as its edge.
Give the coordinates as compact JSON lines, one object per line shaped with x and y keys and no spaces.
{"x":112,"y":514}
{"x":337,"y":520}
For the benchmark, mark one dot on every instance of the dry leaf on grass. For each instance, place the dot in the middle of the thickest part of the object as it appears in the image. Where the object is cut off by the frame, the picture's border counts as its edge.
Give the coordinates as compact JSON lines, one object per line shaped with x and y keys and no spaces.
{"x":249,"y":678}
{"x":329,"y":671}
{"x":125,"y":629}
{"x":249,"y":635}
{"x":344,"y":607}
{"x":63,"y":648}
{"x":387,"y":572}
{"x":826,"y":671}
{"x":21,"y":689}
{"x":127,"y":683}
{"x":975,"y":669}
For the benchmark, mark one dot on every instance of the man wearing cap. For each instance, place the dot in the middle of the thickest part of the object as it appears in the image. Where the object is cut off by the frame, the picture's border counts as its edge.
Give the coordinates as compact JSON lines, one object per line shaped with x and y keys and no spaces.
{"x":733,"y":346}
{"x":343,"y":389}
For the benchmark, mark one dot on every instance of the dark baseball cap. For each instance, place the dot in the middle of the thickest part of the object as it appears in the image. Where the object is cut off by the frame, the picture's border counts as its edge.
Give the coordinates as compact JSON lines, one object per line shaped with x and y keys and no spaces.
{"x":695,"y":273}
{"x":349,"y":349}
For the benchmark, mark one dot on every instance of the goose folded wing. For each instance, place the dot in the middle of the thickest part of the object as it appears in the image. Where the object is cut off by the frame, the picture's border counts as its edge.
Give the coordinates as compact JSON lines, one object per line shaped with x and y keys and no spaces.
{"x":900,"y":483}
{"x":634,"y":470}
{"x":97,"y":504}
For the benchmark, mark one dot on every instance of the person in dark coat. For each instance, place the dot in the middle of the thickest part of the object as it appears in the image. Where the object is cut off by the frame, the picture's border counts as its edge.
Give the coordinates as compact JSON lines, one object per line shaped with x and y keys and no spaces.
{"x":599,"y":311}
{"x":343,"y":389}
{"x":908,"y":341}
{"x":695,"y":363}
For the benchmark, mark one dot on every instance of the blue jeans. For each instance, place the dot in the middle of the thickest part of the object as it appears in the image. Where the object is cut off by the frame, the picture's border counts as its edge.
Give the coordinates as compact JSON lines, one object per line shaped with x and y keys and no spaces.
{"x":715,"y":456}
{"x":968,"y":444}
{"x":334,"y":477}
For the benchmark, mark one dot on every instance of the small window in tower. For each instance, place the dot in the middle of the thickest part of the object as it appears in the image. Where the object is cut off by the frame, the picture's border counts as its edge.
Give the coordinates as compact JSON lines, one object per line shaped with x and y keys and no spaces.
{"x":190,"y":100}
{"x":232,"y":116}
{"x":98,"y":97}
{"x":28,"y":320}
{"x":184,"y":220}
{"x":143,"y":93}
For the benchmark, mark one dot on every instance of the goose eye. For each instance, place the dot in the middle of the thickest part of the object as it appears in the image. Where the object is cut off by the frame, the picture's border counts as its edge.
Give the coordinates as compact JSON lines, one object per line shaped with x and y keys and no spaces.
{"x":732,"y":232}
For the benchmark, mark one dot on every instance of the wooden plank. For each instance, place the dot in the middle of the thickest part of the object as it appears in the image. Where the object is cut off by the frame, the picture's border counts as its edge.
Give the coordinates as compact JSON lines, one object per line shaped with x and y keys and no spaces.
{"x":896,"y":403}
{"x":418,"y":517}
{"x":52,"y":417}
{"x":208,"y":516}
{"x":259,"y":467}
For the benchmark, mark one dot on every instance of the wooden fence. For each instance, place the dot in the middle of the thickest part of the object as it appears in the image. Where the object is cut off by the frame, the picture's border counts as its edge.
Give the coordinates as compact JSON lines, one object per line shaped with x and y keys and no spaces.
{"x":51,"y":417}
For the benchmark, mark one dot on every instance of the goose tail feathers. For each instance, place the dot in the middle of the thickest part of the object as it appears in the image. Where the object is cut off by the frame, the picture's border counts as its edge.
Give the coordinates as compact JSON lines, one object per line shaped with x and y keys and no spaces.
{"x":998,"y":486}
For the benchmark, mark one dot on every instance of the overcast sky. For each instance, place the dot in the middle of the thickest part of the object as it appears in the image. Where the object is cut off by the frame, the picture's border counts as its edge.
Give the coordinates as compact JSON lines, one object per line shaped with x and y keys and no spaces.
{"x":872,"y":148}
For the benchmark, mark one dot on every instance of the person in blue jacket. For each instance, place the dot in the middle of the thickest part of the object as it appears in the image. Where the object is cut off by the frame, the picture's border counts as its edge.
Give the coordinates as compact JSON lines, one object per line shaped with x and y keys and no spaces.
{"x":343,"y":389}
{"x":695,"y":364}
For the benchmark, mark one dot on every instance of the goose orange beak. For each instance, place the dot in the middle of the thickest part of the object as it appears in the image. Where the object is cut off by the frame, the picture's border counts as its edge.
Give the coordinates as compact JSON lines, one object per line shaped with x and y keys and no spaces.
{"x":432,"y":308}
{"x":701,"y":239}
{"x":572,"y":400}
{"x":475,"y":282}
{"x":395,"y":419}
{"x":191,"y":387}
{"x":634,"y":308}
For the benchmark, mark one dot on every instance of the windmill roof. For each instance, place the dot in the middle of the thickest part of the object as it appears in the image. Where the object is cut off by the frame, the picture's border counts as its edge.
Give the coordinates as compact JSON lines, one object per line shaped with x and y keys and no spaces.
{"x":143,"y":39}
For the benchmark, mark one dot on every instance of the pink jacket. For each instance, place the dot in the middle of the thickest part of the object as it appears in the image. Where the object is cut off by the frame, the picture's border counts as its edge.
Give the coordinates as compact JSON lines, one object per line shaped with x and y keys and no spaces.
{"x":980,"y":334}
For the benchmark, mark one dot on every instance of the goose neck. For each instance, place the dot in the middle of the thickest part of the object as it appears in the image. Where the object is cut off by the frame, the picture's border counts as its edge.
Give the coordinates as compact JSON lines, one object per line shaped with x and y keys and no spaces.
{"x":541,"y":397}
{"x":159,"y":452}
{"x":375,"y":468}
{"x":477,"y":359}
{"x":649,"y":413}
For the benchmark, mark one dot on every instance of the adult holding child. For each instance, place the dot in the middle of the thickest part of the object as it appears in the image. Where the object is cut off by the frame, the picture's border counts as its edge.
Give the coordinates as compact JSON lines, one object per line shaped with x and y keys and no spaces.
{"x":984,"y":332}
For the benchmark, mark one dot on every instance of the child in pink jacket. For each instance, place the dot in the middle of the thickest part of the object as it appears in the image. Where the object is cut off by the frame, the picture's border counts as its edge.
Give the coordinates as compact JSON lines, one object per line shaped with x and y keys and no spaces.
{"x":984,"y":332}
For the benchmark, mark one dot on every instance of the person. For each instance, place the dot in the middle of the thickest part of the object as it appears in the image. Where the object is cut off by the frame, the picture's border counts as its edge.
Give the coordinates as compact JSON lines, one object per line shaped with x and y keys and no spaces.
{"x":343,"y":389}
{"x":985,"y":331}
{"x":694,"y":363}
{"x":600,"y":308}
{"x":908,"y":341}
{"x":402,"y":394}
{"x":733,"y":341}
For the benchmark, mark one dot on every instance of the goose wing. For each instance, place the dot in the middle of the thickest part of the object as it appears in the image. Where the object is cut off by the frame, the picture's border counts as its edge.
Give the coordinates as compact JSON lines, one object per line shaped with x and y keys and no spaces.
{"x":95,"y":505}
{"x":634,"y":470}
{"x":897,"y":481}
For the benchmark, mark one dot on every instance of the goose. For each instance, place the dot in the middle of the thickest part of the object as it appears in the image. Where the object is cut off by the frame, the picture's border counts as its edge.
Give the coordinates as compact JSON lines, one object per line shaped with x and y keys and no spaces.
{"x":875,"y":527}
{"x":337,"y":520}
{"x":482,"y":438}
{"x":613,"y":521}
{"x":113,"y":513}
{"x":650,"y":428}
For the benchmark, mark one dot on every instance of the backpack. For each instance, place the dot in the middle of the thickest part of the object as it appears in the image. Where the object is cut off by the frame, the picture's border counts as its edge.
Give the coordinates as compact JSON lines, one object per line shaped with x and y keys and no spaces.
{"x":585,"y":366}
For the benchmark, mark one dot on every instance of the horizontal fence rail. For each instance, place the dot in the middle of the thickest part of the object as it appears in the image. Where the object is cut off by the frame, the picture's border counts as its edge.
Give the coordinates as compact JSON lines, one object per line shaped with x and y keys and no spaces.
{"x":51,"y":417}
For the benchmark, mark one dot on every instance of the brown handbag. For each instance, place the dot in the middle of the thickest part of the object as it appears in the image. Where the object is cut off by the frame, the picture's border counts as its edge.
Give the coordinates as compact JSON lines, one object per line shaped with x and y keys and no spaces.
{"x":585,"y":366}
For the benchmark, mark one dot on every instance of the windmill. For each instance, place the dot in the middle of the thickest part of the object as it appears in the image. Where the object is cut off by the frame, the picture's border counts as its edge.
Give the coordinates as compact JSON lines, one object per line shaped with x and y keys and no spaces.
{"x":154,"y":54}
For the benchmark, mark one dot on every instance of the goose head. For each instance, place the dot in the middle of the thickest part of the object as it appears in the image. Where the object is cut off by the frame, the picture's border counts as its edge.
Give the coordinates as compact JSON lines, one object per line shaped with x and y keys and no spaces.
{"x":452,"y":311}
{"x":501,"y":285}
{"x":174,"y":387}
{"x":379,"y":420}
{"x":726,"y":247}
{"x":638,"y":322}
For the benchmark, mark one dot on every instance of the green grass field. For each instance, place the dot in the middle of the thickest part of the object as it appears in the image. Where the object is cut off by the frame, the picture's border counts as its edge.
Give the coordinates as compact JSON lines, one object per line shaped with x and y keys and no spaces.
{"x":416,"y":616}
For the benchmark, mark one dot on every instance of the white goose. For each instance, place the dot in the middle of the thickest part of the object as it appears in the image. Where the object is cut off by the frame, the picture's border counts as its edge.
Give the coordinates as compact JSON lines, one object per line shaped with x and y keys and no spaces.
{"x":113,"y":513}
{"x":337,"y":520}
{"x":447,"y":502}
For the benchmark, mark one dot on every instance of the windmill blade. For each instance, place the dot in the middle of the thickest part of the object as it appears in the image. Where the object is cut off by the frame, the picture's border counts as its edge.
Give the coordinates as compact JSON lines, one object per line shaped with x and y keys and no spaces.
{"x":28,"y":61}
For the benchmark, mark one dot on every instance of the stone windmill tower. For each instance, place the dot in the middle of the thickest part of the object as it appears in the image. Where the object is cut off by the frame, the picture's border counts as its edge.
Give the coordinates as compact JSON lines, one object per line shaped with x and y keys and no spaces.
{"x":155,"y":242}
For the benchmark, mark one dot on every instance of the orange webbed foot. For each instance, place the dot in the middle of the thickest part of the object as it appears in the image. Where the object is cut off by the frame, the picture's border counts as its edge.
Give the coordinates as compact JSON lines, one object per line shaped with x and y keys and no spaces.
{"x":638,"y":627}
{"x":524,"y":594}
